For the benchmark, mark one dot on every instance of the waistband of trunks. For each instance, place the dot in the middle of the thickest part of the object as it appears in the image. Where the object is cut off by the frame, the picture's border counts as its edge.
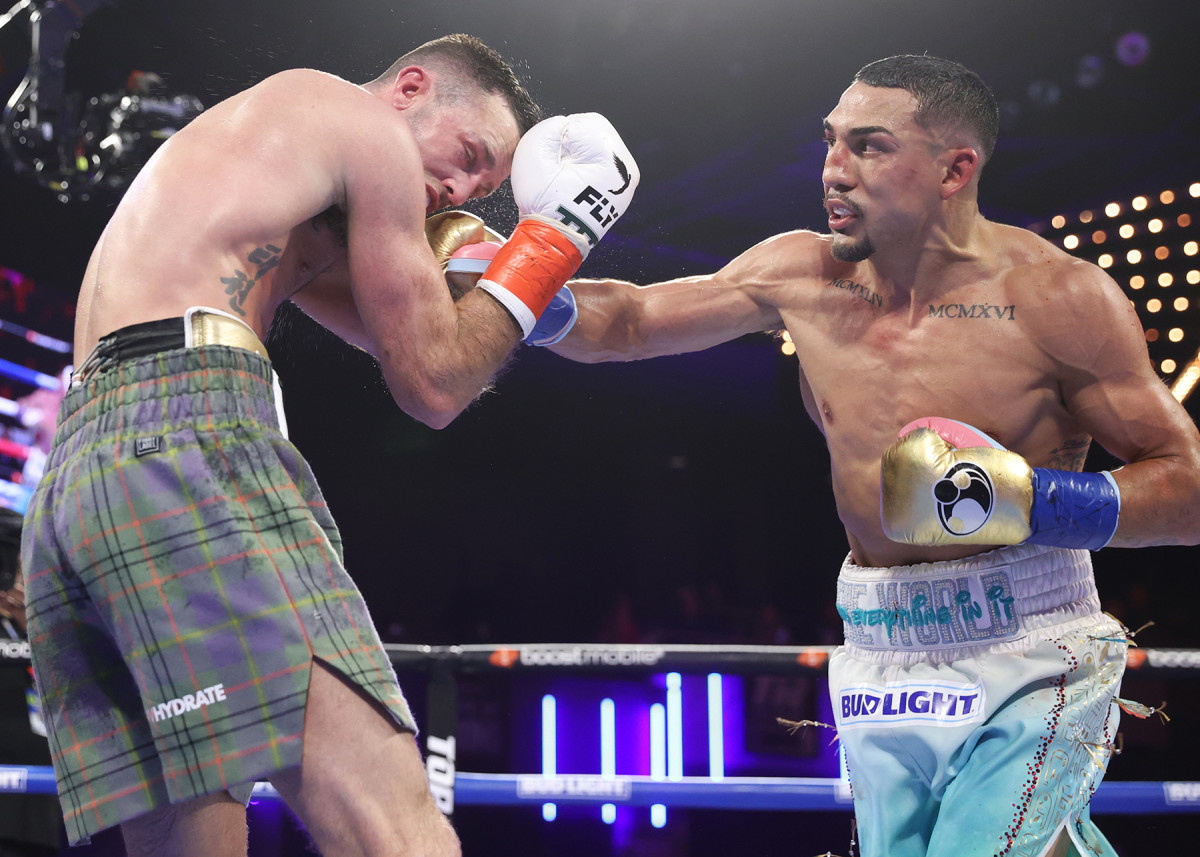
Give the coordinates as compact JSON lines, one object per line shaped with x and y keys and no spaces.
{"x":992,"y":601}
{"x":201,"y":385}
{"x":198,"y":327}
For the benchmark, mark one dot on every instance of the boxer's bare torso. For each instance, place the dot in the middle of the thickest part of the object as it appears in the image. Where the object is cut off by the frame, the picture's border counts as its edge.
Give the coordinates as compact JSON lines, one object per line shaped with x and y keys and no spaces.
{"x":310,"y":188}
{"x":988,"y":344}
{"x":871,"y":358}
{"x":945,"y":313}
{"x":228,"y":216}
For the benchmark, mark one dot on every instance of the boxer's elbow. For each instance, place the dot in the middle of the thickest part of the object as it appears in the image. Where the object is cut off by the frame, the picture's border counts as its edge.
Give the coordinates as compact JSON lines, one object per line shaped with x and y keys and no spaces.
{"x":437,"y":414}
{"x":430,"y":402}
{"x":1177,"y":489}
{"x":1160,"y":503}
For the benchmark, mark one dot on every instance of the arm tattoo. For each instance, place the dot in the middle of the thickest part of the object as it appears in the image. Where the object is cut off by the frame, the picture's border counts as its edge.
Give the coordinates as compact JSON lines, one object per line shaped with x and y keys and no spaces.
{"x":239,"y":285}
{"x":1069,"y":456}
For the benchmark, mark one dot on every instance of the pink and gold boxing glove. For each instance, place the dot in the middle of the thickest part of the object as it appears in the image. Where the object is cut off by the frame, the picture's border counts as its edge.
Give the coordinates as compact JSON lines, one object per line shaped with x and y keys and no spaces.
{"x":945,"y":482}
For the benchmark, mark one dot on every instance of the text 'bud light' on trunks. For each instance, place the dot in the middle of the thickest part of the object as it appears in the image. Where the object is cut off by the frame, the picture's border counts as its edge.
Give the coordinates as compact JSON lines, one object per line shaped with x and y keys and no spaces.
{"x":938,"y":703}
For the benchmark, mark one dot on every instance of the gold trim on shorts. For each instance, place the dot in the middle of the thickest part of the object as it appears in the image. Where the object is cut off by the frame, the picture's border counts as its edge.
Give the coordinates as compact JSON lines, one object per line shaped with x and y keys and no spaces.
{"x":204,"y":326}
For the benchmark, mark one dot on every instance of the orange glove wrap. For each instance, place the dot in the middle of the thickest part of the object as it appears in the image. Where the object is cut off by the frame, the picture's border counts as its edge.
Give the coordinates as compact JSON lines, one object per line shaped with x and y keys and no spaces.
{"x":535,"y":262}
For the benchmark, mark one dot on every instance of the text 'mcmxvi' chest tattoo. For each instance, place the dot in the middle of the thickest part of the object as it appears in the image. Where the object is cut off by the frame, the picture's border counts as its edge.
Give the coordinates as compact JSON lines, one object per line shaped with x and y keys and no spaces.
{"x":992,"y":312}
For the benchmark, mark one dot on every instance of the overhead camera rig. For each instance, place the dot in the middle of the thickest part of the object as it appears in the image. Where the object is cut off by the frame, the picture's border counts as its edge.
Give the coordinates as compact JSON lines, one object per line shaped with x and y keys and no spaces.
{"x":75,"y":147}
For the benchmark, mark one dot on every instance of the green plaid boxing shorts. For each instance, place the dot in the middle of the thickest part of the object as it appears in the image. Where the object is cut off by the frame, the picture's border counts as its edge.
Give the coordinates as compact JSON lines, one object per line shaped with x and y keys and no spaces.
{"x":183,"y":573}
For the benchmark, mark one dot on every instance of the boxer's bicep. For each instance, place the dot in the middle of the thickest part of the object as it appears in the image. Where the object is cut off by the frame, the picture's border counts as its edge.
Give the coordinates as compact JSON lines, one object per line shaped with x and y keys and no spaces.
{"x":1113,"y":392}
{"x":1105,"y":375}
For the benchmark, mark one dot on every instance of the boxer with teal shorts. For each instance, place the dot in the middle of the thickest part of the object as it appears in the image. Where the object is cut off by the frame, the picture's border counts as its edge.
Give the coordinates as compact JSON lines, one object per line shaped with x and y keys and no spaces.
{"x":975,"y":698}
{"x":974,"y":701}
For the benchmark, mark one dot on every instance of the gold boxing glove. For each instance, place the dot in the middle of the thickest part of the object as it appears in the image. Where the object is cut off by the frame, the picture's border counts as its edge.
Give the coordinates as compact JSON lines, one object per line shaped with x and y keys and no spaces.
{"x":447,"y":231}
{"x":935,"y":494}
{"x":946,"y":482}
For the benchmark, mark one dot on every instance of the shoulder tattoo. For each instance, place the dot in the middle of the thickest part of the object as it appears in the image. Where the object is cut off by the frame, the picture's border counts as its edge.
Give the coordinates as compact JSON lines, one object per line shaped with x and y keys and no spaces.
{"x":858,"y":290}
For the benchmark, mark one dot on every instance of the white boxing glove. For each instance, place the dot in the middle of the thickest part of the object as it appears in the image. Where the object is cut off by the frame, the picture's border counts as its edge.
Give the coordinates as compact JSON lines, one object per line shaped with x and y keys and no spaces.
{"x":574,"y":171}
{"x":572,"y":177}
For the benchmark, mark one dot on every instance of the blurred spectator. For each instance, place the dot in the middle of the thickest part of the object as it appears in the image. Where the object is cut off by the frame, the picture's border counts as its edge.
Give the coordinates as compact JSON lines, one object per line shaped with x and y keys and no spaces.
{"x":30,"y":825}
{"x":619,"y":625}
{"x":769,"y":628}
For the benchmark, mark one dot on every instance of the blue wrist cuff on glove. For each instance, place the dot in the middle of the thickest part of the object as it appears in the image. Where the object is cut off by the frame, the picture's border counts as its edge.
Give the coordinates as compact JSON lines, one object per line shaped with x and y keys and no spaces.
{"x":1073,"y":510}
{"x":556,"y":321}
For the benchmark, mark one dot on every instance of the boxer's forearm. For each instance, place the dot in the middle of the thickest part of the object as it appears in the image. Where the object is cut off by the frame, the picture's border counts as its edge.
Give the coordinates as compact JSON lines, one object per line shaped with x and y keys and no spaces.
{"x":608,"y":327}
{"x":436,"y":375}
{"x":622,"y":321}
{"x":1160,"y":503}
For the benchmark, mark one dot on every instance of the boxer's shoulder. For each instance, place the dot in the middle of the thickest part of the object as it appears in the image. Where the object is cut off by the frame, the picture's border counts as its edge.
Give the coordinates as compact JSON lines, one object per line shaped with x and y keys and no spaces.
{"x":790,"y":258}
{"x":306,"y":80}
{"x":1018,"y":254}
{"x":1045,"y":283}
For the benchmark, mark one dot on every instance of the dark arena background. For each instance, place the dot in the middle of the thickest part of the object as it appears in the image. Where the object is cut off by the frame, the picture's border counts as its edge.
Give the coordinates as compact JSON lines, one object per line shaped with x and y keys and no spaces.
{"x":611,"y":518}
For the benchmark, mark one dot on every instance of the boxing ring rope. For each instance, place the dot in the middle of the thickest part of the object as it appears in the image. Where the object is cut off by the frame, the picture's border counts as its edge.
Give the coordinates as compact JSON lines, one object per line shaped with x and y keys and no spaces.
{"x":14,"y":493}
{"x":816,"y":794}
{"x":50,"y":343}
{"x":446,"y":663}
{"x":29,"y":376}
{"x":23,"y":373}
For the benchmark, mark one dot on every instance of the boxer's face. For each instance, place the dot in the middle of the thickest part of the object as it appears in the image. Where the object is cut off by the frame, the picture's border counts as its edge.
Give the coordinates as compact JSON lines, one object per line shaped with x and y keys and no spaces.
{"x":880,"y":178}
{"x":466,"y":147}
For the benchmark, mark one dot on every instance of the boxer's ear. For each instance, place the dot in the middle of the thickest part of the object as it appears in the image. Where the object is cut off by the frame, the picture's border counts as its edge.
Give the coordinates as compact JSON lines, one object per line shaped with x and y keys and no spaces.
{"x":411,"y":83}
{"x":960,"y":166}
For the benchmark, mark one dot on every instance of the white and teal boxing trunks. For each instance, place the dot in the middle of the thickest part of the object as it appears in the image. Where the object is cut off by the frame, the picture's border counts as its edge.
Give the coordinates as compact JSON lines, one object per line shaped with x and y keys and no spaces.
{"x":974,"y":701}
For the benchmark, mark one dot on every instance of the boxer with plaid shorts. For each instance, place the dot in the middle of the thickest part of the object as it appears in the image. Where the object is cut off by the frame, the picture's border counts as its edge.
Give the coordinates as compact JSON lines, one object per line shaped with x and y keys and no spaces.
{"x":193,"y":629}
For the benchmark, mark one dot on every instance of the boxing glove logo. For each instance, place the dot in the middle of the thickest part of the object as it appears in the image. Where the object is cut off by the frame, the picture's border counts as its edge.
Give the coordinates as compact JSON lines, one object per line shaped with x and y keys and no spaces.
{"x":624,"y":173}
{"x":602,"y":211}
{"x":964,"y":499}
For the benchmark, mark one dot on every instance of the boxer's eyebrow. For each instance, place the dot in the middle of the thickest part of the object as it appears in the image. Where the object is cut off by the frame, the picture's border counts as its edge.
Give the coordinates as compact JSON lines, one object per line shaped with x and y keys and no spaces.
{"x":861,"y":131}
{"x":488,"y":155}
